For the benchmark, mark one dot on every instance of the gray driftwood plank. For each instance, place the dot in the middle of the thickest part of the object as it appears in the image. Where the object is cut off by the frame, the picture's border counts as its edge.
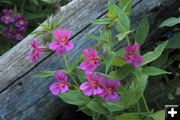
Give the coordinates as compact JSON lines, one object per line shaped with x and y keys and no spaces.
{"x":23,"y":97}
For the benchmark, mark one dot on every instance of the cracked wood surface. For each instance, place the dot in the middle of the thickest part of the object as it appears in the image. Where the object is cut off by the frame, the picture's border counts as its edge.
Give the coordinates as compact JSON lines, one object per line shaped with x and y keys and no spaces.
{"x":23,"y":97}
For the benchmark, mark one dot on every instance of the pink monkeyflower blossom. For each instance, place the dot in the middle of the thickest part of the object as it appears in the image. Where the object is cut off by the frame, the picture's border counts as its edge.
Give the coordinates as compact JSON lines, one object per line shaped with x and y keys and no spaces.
{"x":62,"y":44}
{"x":92,"y":61}
{"x":36,"y":52}
{"x":8,"y":16}
{"x":21,"y":23}
{"x":7,"y":32}
{"x":17,"y":34}
{"x":93,"y":84}
{"x":131,"y":56}
{"x":61,"y":86}
{"x":109,"y":91}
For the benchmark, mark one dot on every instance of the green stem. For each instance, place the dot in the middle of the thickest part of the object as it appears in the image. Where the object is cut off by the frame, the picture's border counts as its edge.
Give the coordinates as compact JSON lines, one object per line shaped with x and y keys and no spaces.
{"x":128,"y":41}
{"x":69,"y":72}
{"x":67,"y":67}
{"x":138,"y":107}
{"x":145,"y":103}
{"x":22,"y":6}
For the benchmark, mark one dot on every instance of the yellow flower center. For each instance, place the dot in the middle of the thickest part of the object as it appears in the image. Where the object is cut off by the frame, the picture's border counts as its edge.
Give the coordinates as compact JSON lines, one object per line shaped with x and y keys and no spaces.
{"x":109,"y":90}
{"x":21,"y":22}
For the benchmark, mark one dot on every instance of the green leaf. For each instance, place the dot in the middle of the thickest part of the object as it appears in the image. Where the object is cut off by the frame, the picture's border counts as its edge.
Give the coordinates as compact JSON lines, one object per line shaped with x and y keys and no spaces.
{"x":47,"y":1}
{"x":105,"y":35}
{"x":15,"y":10}
{"x":94,"y":37}
{"x":160,"y":115}
{"x":170,"y":22}
{"x":56,"y":23}
{"x":5,"y":2}
{"x":153,"y":71}
{"x":85,"y":110}
{"x":123,"y":23}
{"x":153,"y":55}
{"x":121,"y":36}
{"x":96,"y":106}
{"x":38,"y":15}
{"x":81,"y":75}
{"x":142,"y":31}
{"x":140,"y":80}
{"x":126,"y":6}
{"x":131,"y":95}
{"x":45,"y":74}
{"x":109,"y":60}
{"x":76,"y":62}
{"x":118,"y":61}
{"x":45,"y":27}
{"x":128,"y":97}
{"x":161,"y":61}
{"x":174,"y":42}
{"x":39,"y":32}
{"x":74,"y":98}
{"x":102,"y":21}
{"x":35,"y":2}
{"x":111,"y":10}
{"x":128,"y":116}
{"x":122,"y":72}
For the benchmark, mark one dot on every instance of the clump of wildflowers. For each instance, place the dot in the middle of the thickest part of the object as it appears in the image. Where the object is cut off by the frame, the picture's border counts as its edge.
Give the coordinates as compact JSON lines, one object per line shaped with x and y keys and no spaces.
{"x":8,"y":16}
{"x":103,"y":87}
{"x":16,"y":30}
{"x":61,"y":86}
{"x":92,"y":61}
{"x":36,"y":52}
{"x":21,"y":23}
{"x":93,"y":84}
{"x":131,"y":56}
{"x":62,"y":44}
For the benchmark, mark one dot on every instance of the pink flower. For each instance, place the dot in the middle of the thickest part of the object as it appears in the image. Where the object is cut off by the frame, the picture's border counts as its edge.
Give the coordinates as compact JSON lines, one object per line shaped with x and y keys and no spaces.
{"x":35,"y":53}
{"x":109,"y":92}
{"x":93,"y":85}
{"x":8,"y":16}
{"x":62,"y":44}
{"x":21,"y":23}
{"x":131,"y":57}
{"x":92,"y":61}
{"x":61,"y":86}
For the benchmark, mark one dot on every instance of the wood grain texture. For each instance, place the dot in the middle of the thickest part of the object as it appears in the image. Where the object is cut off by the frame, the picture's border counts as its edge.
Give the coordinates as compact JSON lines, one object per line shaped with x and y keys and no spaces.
{"x":23,"y":97}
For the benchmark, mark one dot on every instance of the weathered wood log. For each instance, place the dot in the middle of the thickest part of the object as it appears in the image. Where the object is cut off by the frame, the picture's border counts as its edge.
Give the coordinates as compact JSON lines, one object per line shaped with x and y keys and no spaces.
{"x":23,"y":97}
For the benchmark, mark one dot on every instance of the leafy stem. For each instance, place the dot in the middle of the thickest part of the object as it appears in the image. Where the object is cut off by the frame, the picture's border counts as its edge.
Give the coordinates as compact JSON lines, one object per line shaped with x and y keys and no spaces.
{"x":128,"y":41}
{"x":146,"y":105}
{"x":69,"y":72}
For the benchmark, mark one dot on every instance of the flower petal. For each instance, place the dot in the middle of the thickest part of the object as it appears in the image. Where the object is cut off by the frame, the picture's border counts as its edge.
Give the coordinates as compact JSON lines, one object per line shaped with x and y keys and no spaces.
{"x":60,"y":51}
{"x":115,"y":97}
{"x":84,"y":64}
{"x":55,"y":89}
{"x":136,"y":47}
{"x":69,"y":46}
{"x":86,"y":53}
{"x":67,"y":34}
{"x":93,"y":53}
{"x":34,"y":44}
{"x":88,"y":91}
{"x":84,"y":86}
{"x":64,"y":88}
{"x":97,"y":90}
{"x":58,"y":34}
{"x":54,"y":45}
